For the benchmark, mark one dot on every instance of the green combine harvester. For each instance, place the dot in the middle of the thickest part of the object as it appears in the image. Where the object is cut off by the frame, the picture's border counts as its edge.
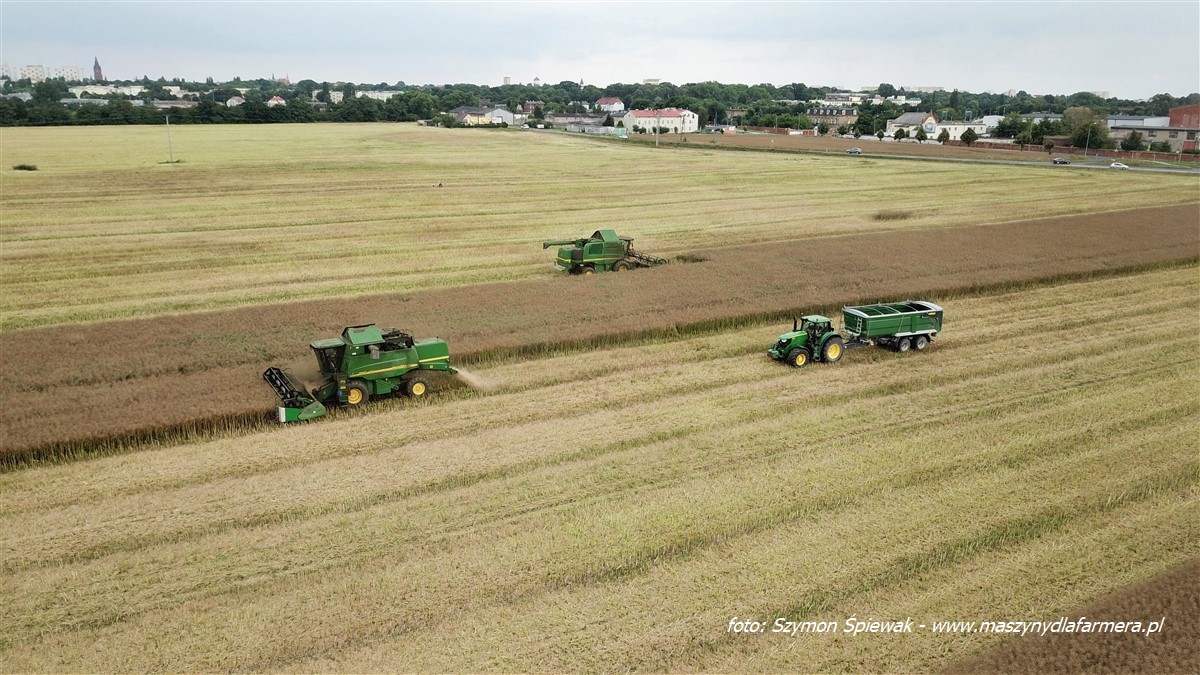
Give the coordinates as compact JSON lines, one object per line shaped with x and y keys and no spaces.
{"x":602,"y":252}
{"x":900,"y":326}
{"x":365,"y":361}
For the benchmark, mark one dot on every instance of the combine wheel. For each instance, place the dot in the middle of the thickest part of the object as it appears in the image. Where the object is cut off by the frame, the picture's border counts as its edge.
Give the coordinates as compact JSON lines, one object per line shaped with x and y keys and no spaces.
{"x":921,"y":343}
{"x":903,"y":345}
{"x":832,"y":353}
{"x":416,"y":387}
{"x":797,"y":358}
{"x":621,"y":266}
{"x":357,"y":394}
{"x":588,"y":270}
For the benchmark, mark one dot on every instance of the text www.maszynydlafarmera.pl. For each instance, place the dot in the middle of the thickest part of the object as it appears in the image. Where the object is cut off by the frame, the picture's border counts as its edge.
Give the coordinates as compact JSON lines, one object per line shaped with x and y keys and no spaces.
{"x":855,"y":626}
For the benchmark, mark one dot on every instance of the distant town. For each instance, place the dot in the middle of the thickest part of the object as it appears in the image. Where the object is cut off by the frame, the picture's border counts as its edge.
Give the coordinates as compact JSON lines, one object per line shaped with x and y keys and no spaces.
{"x":36,"y":95}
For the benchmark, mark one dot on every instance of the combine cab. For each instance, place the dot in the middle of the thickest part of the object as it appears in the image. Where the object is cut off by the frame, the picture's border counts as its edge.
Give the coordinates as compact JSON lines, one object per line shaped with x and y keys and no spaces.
{"x":365,"y":361}
{"x":602,"y":252}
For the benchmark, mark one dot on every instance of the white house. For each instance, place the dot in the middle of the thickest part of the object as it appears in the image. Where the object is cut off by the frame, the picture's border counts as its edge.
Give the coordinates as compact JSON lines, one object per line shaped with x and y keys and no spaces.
{"x":234,"y":102}
{"x":274,"y":101}
{"x":611,"y":104}
{"x":910,"y":122}
{"x":956,"y":129}
{"x":673,"y":120}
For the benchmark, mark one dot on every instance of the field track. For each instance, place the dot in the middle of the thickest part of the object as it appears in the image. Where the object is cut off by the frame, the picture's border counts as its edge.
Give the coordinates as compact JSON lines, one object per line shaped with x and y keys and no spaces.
{"x":68,"y":386}
{"x":611,"y":508}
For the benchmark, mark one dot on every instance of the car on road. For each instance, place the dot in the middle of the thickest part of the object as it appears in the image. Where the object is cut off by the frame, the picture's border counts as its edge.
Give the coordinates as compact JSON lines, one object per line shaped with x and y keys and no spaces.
{"x":1061,"y":160}
{"x":1117,"y":165}
{"x":854,"y":151}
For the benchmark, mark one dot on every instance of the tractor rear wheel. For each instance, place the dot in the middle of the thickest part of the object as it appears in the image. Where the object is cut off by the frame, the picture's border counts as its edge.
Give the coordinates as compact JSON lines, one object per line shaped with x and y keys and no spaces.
{"x":797,"y":358}
{"x":832,"y":353}
{"x":621,"y":266}
{"x":903,"y":345}
{"x":357,"y":394}
{"x":416,"y":387}
{"x":921,"y":343}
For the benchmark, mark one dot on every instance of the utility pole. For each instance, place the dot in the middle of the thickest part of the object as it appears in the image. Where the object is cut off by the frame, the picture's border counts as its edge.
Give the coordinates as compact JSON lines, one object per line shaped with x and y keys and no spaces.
{"x":1088,"y":141}
{"x":170,"y":148}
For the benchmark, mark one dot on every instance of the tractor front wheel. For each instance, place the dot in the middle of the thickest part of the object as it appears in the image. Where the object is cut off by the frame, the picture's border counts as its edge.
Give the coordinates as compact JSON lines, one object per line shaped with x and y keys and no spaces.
{"x":903,"y":345}
{"x":921,"y":343}
{"x":416,"y":387}
{"x":797,"y":358}
{"x":833,"y":350}
{"x":357,"y":394}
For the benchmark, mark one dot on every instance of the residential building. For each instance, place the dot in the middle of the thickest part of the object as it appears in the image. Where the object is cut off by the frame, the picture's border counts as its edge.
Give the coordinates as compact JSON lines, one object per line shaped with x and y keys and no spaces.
{"x":672,"y":120}
{"x":1179,"y":138}
{"x":34,"y":74}
{"x":956,"y":129}
{"x":530,"y":106}
{"x":69,"y":73}
{"x":1115,"y":121}
{"x":234,"y":102}
{"x":833,"y":116}
{"x":382,"y":95}
{"x":274,"y":101}
{"x":912,"y":121}
{"x":611,"y":104}
{"x":474,"y":116}
{"x":6,"y":71}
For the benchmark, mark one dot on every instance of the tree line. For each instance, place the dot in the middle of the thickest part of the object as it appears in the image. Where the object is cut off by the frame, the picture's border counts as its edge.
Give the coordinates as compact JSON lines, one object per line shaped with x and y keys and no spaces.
{"x":763,"y":104}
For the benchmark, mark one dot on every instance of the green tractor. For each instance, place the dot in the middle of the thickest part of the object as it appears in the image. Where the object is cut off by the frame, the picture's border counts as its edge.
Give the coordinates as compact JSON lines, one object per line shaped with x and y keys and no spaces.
{"x":900,"y":326}
{"x":602,"y":252}
{"x":365,"y":361}
{"x":812,"y":338}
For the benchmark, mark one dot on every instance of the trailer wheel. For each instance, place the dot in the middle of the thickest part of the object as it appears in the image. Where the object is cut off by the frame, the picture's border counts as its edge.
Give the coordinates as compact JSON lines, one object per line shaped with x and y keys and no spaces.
{"x":797,"y":358}
{"x":921,"y":343}
{"x":357,"y":394}
{"x":903,"y":345}
{"x":621,"y":266}
{"x":416,"y":387}
{"x":832,"y":353}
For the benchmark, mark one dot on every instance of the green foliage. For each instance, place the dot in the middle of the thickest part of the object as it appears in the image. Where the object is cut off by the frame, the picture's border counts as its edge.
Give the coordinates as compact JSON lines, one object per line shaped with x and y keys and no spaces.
{"x":944,"y":136}
{"x":921,"y":136}
{"x":969,"y":136}
{"x":24,"y":167}
{"x":1049,"y":146}
{"x":1093,"y":135}
{"x":1133,"y":142}
{"x":899,"y":134}
{"x":823,"y":128}
{"x":1161,"y":146}
{"x":880,"y":134}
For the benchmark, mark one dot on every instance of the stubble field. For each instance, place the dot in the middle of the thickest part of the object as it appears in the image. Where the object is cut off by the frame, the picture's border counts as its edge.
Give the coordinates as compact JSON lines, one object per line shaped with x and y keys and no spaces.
{"x":581,"y":516}
{"x":630,"y":470}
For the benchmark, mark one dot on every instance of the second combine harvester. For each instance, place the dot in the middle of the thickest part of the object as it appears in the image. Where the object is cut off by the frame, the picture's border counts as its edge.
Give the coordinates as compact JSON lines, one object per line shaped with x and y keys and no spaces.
{"x":602,"y":252}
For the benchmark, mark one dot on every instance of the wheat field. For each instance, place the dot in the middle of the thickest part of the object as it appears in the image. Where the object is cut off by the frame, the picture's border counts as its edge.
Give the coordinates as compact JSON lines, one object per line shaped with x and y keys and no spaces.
{"x":613,"y":508}
{"x":254,"y":215}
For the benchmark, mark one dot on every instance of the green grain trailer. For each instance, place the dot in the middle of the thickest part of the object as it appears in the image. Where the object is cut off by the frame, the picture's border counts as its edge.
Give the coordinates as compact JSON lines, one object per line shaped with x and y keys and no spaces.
{"x":601,"y":252}
{"x":365,"y":361}
{"x":899,"y":326}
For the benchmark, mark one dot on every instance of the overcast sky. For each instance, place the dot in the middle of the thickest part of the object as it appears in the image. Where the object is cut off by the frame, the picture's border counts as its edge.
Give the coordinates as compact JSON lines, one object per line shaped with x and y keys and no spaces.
{"x":1128,"y":49}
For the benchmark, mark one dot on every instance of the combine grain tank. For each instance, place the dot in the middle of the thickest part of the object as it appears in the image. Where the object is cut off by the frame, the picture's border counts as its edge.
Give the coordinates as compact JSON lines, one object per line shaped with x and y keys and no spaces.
{"x":900,"y":326}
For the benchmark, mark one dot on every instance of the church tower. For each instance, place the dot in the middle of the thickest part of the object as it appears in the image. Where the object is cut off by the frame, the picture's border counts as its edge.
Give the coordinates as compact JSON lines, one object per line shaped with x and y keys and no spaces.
{"x":97,"y":74}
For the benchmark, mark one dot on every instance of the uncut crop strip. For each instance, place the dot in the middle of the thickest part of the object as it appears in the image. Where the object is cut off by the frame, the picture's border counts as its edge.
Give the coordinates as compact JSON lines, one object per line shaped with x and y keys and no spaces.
{"x":482,"y":525}
{"x":287,"y":213}
{"x":197,"y":371}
